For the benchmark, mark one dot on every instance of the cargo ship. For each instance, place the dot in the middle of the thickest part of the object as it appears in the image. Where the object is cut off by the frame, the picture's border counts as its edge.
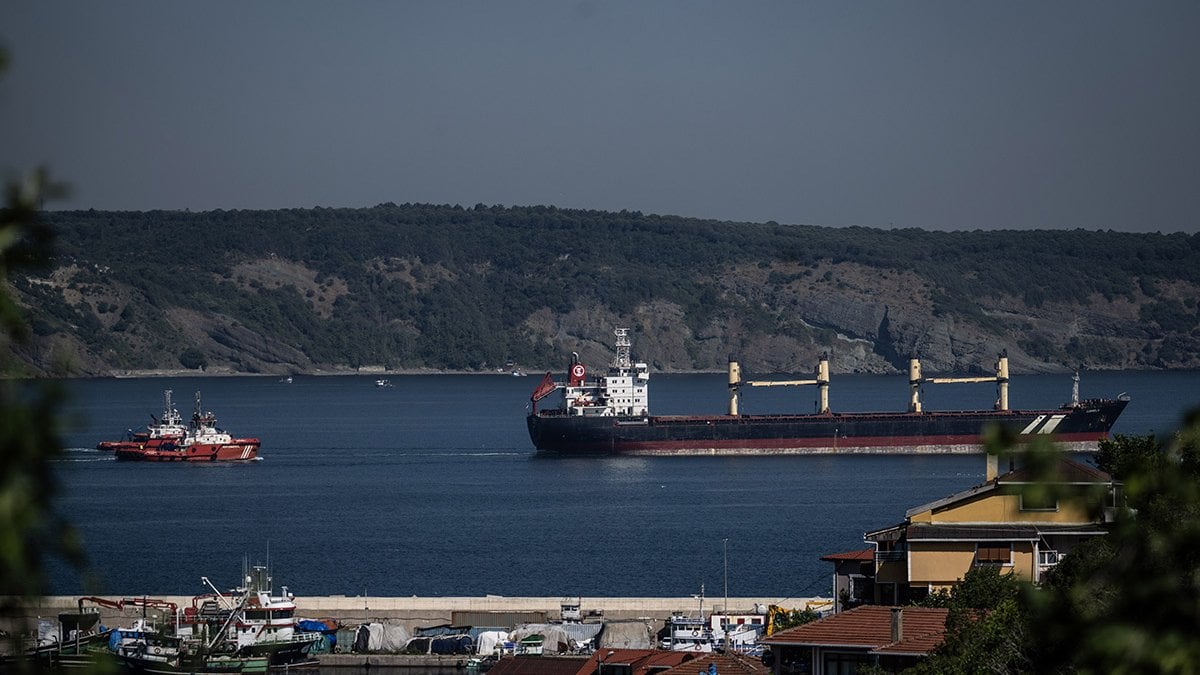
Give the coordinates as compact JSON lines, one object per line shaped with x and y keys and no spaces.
{"x":610,"y":415}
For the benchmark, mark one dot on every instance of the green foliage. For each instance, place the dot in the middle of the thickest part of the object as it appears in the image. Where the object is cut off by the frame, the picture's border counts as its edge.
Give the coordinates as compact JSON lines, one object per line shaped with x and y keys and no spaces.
{"x":448,"y":287}
{"x":192,"y":358}
{"x":31,"y":531}
{"x":986,"y":629}
{"x":994,"y":641}
{"x":1129,"y":605}
{"x":1122,"y":603}
{"x":791,"y":618}
{"x":1170,"y":316}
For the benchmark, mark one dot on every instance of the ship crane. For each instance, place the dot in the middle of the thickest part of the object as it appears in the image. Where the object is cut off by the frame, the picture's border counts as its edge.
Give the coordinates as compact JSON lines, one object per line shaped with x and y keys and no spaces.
{"x":1000,"y":378}
{"x":821,"y":381}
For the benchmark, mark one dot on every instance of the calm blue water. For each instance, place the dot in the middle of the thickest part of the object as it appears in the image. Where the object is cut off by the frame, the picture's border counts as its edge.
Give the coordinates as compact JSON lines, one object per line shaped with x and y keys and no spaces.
{"x":431,"y":488}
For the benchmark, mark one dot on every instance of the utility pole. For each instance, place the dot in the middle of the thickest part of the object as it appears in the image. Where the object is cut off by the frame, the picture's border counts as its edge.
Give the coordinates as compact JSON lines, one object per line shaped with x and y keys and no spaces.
{"x":725,"y":620}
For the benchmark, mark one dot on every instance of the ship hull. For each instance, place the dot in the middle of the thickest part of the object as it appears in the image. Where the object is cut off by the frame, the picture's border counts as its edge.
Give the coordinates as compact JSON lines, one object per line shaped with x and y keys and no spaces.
{"x":1075,"y":428}
{"x":237,"y":450}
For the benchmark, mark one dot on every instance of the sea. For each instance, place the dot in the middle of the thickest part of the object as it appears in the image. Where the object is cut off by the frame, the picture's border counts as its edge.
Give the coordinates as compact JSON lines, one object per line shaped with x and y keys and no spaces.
{"x":431,"y":487}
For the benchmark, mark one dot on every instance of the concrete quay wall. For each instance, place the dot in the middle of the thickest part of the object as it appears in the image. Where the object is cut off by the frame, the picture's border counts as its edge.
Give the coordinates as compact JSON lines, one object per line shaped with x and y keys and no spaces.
{"x":431,"y":611}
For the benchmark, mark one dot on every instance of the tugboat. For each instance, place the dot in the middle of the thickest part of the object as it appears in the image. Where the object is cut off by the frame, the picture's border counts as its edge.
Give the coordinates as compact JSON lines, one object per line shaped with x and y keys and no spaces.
{"x":202,"y":442}
{"x":169,"y":428}
{"x":610,"y":414}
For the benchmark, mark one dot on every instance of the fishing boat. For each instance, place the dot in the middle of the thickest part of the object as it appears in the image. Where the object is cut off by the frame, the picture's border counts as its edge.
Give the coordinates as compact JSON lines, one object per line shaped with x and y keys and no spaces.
{"x":256,"y":621}
{"x":690,"y":633}
{"x":169,"y":427}
{"x":610,"y":414}
{"x":202,"y":441}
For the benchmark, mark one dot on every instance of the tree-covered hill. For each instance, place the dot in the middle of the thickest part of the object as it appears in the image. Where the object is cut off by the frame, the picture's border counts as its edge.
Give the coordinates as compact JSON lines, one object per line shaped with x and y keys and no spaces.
{"x":417,"y":286}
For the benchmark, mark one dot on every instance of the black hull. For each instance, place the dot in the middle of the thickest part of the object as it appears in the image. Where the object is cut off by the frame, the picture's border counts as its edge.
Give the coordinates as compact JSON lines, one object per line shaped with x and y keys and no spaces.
{"x":1076,"y":428}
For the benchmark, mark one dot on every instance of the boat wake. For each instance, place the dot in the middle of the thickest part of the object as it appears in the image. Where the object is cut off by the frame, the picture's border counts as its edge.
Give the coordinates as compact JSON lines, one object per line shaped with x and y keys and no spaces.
{"x":84,"y":455}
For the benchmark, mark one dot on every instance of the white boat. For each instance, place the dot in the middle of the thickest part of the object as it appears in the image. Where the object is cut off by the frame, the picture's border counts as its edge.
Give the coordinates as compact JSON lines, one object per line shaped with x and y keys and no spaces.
{"x":253,"y":619}
{"x":689,"y":634}
{"x":383,"y":383}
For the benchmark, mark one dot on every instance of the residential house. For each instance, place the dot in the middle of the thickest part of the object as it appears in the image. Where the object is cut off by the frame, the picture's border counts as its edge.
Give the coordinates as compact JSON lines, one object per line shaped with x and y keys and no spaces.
{"x":853,"y":578}
{"x":1001,"y":522}
{"x":892,"y":638}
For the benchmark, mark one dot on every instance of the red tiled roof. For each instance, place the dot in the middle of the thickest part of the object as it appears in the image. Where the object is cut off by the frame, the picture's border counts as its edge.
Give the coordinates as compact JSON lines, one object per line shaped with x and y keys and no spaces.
{"x":870,"y":627}
{"x":865,"y":554}
{"x":537,"y":665}
{"x":1064,"y":471}
{"x":727,"y":664}
{"x":638,"y":660}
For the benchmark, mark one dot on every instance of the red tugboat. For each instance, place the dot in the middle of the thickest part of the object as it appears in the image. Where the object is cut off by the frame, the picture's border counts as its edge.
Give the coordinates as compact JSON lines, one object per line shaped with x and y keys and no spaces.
{"x":169,"y":428}
{"x":202,"y":442}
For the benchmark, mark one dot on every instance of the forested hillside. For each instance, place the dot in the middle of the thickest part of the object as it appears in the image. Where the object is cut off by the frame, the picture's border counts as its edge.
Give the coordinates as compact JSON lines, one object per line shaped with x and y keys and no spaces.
{"x":418,"y":286}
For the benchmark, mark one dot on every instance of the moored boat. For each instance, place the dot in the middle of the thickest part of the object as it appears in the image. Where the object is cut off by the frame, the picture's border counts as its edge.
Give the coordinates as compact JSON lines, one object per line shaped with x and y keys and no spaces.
{"x":201,"y":442}
{"x":610,"y":414}
{"x":257,"y":621}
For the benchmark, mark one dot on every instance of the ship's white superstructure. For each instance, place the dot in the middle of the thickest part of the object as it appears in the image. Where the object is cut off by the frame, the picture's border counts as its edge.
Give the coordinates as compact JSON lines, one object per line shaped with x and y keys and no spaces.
{"x":624,"y":391}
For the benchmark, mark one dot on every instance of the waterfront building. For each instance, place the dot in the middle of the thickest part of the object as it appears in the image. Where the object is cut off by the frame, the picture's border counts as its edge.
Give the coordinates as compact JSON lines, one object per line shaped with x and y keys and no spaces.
{"x":1011,"y":521}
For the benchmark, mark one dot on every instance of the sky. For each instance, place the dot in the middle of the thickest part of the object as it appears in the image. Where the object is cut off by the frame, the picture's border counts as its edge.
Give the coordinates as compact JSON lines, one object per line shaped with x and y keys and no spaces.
{"x":948,"y":115}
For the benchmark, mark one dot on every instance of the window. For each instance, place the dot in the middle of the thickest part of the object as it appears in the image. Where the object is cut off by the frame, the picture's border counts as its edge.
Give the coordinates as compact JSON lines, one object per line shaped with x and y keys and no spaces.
{"x":1032,"y":501}
{"x":862,"y":589}
{"x":840,"y":663}
{"x":993,"y":554}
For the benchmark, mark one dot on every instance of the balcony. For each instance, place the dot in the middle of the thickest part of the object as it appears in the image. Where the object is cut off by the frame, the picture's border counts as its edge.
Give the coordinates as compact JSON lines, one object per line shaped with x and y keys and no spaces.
{"x":882,"y":557}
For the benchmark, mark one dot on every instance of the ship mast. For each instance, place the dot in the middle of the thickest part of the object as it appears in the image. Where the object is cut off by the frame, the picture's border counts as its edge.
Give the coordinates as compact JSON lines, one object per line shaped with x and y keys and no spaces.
{"x":622,"y":362}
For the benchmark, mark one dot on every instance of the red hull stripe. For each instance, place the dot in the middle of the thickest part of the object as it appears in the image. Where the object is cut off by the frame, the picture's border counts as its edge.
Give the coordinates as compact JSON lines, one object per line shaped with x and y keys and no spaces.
{"x":832,"y":444}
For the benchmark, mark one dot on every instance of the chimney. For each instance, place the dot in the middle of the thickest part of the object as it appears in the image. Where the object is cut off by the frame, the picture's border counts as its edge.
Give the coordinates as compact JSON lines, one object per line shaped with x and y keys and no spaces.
{"x":897,"y":624}
{"x":993,"y":467}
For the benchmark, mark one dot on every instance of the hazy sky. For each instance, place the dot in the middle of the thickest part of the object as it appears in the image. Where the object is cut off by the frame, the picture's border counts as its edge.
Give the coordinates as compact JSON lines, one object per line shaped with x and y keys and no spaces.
{"x":942,"y":115}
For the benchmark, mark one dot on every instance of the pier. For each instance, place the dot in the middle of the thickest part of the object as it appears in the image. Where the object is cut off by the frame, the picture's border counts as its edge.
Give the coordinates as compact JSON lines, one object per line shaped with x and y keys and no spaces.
{"x":432,"y":611}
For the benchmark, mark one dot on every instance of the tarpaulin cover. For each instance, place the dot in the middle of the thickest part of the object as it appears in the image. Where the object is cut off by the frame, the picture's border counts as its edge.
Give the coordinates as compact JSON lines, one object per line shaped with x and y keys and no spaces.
{"x":488,"y":641}
{"x":316,"y":626}
{"x":418,"y":645}
{"x":395,"y":637}
{"x":556,"y":640}
{"x":452,"y":644}
{"x":362,"y":638}
{"x":438,"y":631}
{"x":626,"y":635}
{"x":381,"y":637}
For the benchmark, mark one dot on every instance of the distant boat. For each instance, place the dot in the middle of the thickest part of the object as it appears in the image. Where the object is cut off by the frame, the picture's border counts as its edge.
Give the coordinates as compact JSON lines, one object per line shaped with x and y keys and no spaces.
{"x":286,"y":380}
{"x":383,"y":383}
{"x":519,"y":373}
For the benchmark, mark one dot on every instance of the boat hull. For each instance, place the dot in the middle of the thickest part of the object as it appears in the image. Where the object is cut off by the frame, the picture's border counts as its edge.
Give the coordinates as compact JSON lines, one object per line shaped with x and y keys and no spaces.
{"x":237,"y":450}
{"x":1076,"y":428}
